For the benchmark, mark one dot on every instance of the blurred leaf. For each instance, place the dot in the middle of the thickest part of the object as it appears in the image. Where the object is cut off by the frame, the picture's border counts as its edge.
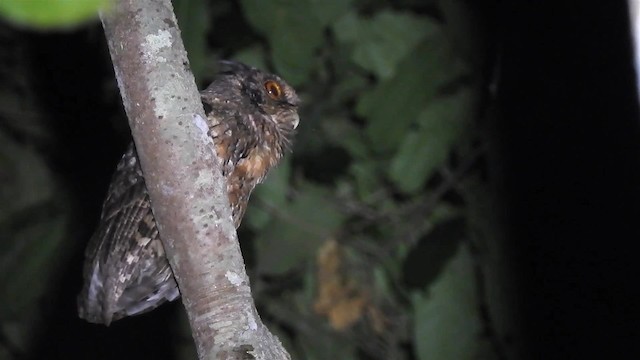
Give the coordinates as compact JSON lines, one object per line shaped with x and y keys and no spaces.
{"x":436,"y":248}
{"x":328,"y":11}
{"x":366,"y":178}
{"x":194,"y":21}
{"x":297,"y":230}
{"x":382,"y":41}
{"x":394,"y":104}
{"x":350,"y":85}
{"x":447,"y":323}
{"x":49,"y":14}
{"x":253,"y":56}
{"x":294,"y":32}
{"x":15,"y":339}
{"x":273,"y":192}
{"x":424,"y":150}
{"x":340,"y":131}
{"x":463,"y":26}
{"x":311,"y":142}
{"x":33,"y":231}
{"x":26,"y":264}
{"x":5,"y":354}
{"x":348,"y":27}
{"x":443,"y":212}
{"x":19,"y":110}
{"x":21,"y":115}
{"x":315,"y":348}
{"x":25,"y":181}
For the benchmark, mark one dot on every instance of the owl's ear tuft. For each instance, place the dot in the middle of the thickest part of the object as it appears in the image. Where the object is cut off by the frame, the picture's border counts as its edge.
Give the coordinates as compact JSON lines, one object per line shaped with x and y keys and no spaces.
{"x":231,"y":67}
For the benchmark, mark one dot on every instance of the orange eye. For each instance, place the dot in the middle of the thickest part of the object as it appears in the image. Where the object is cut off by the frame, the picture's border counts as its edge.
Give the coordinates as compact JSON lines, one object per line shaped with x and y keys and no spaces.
{"x":273,"y":89}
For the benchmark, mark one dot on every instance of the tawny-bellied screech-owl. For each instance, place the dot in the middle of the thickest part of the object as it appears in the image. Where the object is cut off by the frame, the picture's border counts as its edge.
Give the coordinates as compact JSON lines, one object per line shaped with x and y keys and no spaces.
{"x":252,"y":117}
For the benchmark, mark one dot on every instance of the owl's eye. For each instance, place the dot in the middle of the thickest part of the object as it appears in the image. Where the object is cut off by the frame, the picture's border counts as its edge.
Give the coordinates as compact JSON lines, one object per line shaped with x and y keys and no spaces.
{"x":273,"y":89}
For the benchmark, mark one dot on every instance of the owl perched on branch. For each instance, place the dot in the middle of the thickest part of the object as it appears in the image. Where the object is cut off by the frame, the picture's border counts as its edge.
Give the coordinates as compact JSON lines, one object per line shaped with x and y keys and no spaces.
{"x":252,"y":118}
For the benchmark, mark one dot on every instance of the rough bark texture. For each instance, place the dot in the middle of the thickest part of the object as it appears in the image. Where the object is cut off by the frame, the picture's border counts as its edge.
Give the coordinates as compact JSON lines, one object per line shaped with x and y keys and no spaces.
{"x":184,"y":181}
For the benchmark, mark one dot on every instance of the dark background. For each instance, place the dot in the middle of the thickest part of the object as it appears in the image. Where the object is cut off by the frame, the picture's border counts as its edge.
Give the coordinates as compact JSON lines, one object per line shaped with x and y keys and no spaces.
{"x":570,"y":141}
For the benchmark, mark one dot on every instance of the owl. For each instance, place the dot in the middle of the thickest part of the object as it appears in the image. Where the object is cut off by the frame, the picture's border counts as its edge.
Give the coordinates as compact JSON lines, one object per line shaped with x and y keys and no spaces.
{"x":252,"y":116}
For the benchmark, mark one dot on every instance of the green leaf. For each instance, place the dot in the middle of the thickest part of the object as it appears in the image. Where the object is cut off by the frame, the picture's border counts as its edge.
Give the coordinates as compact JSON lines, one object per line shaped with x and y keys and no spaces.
{"x":298,"y":229}
{"x":194,"y":22}
{"x":382,"y":41}
{"x":424,"y":150}
{"x":438,"y":244}
{"x":394,"y":104}
{"x":447,"y":323}
{"x":366,"y":177}
{"x":29,"y":258}
{"x":328,"y":11}
{"x":342,"y":132}
{"x":32,"y":234}
{"x":271,"y":194}
{"x":348,"y":27}
{"x":26,"y":180}
{"x":350,"y":85}
{"x":48,"y":14}
{"x":253,"y":55}
{"x":294,"y":32}
{"x":293,"y":53}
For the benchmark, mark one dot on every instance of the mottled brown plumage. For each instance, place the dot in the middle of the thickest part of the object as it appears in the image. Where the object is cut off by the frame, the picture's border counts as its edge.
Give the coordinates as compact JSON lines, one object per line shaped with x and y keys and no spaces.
{"x":252,"y":116}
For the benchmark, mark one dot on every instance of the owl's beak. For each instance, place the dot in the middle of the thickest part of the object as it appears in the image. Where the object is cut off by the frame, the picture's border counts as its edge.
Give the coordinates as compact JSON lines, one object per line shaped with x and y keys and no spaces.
{"x":296,"y":120}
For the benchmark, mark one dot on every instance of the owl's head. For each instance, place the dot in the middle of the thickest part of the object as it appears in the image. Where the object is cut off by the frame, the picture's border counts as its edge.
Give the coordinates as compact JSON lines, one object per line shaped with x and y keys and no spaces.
{"x":256,"y":92}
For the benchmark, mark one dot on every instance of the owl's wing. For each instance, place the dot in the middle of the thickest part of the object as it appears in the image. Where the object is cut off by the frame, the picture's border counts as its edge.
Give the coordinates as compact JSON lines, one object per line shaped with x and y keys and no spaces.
{"x":126,"y":271}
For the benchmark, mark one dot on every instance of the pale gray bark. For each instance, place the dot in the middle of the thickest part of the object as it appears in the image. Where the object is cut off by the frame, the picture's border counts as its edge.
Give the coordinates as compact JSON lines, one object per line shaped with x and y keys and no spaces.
{"x":183,"y":177}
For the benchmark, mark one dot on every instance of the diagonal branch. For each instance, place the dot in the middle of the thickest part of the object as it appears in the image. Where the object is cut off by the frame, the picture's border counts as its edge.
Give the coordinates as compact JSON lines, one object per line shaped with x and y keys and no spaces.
{"x":184,"y":181}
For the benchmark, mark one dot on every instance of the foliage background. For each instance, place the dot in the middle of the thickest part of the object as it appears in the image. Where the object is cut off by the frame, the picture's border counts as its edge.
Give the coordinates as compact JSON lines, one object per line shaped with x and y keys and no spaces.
{"x":382,"y":236}
{"x":372,"y":241}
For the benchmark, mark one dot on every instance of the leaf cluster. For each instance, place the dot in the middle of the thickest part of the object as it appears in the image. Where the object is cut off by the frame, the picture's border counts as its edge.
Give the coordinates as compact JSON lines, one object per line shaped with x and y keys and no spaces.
{"x":365,"y":243}
{"x":364,"y":231}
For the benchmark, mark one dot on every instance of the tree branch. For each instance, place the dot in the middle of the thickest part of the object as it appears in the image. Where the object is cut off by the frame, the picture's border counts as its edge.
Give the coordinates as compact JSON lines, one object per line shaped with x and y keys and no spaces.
{"x":182,"y":173}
